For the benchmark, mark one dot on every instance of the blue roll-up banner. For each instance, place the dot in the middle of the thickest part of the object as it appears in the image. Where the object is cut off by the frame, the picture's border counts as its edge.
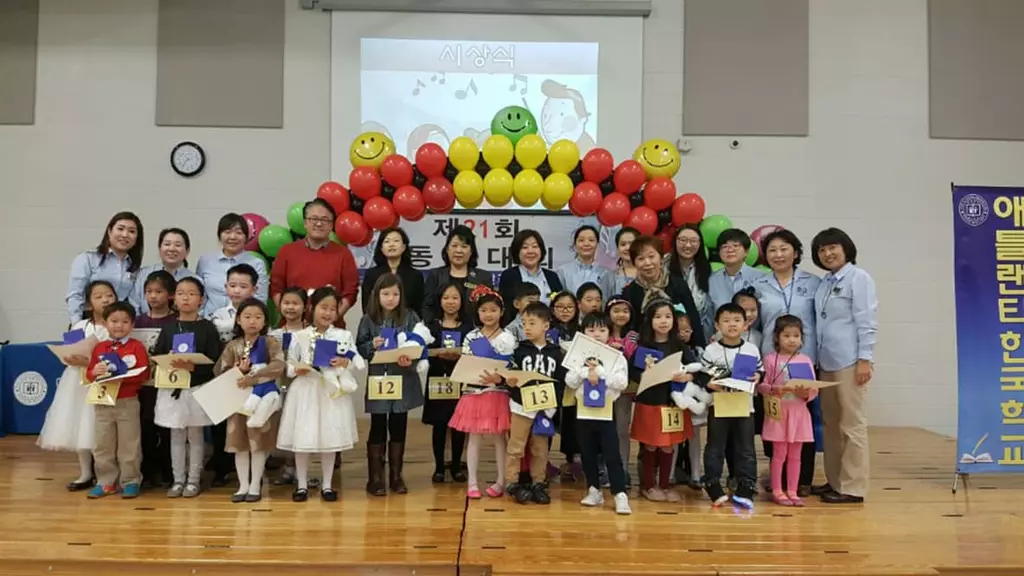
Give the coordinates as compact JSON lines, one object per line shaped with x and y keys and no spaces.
{"x":988,"y":232}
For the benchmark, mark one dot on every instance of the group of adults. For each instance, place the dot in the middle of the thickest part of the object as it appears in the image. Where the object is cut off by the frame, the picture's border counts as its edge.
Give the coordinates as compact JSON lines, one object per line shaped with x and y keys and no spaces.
{"x":838,"y":310}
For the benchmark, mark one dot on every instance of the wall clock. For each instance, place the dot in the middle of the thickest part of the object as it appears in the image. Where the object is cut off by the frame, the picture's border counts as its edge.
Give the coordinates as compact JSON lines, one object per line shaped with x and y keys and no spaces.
{"x":188,"y":159}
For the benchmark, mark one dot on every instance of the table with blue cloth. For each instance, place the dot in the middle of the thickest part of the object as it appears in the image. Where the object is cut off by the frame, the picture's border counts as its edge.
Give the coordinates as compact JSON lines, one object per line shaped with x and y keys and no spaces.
{"x":29,"y":374}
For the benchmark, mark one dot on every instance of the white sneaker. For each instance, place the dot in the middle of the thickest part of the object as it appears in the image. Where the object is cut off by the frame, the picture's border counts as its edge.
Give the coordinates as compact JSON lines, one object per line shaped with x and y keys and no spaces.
{"x":622,"y":504}
{"x":593,"y":498}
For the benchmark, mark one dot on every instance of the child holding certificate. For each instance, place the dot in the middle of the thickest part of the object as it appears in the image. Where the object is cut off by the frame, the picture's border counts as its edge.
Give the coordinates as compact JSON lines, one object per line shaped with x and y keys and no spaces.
{"x":564,"y":325}
{"x":293,"y":316}
{"x":483,"y":410}
{"x":620,"y":312}
{"x":70,"y":423}
{"x":176,"y":409}
{"x":392,"y":389}
{"x":597,"y":387}
{"x":448,"y":330}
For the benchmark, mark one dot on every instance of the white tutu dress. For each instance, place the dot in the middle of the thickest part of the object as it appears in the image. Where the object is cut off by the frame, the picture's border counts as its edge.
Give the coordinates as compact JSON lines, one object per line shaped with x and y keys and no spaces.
{"x":180,"y":413}
{"x":312,"y":420}
{"x":71,"y":423}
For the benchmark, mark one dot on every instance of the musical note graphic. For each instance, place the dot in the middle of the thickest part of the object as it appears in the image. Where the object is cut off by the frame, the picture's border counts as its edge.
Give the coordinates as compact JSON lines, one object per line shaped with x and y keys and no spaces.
{"x":515,"y":84}
{"x":419,"y":85}
{"x":438,"y":78}
{"x":461,"y":94}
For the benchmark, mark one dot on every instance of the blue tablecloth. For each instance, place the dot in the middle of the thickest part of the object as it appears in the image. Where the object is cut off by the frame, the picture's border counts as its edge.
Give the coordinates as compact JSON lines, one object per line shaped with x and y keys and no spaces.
{"x":29,"y":374}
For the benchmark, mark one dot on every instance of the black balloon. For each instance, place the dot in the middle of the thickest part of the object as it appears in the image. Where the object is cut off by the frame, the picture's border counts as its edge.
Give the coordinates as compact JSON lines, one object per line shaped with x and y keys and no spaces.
{"x":544,"y":169}
{"x":387,"y":191}
{"x":713,"y":255}
{"x":514,"y":168}
{"x":607,"y":186}
{"x":355,"y":204}
{"x":482,"y":167}
{"x":636,"y":199}
{"x":418,"y":179}
{"x":576,"y":175}
{"x":665,"y":217}
{"x":450,"y":172}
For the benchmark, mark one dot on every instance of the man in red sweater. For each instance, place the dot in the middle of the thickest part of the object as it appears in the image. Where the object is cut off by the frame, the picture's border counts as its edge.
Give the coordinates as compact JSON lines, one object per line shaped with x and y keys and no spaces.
{"x":118,"y":453}
{"x":315,"y":261}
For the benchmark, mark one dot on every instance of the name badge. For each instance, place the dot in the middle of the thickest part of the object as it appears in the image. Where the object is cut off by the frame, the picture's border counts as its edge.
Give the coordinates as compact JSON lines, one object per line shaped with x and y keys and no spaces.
{"x":103,"y":393}
{"x":384,"y":388}
{"x":539,"y":397}
{"x":441,"y":388}
{"x":773,"y":407}
{"x":172,"y":378}
{"x":671,"y":419}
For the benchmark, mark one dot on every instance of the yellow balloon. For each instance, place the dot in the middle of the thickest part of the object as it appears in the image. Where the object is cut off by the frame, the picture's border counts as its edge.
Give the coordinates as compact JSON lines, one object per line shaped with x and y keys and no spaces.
{"x":530,"y":151}
{"x":498,"y":151}
{"x":498,"y":186}
{"x":370,"y":149}
{"x":527,"y":187}
{"x":658,"y":158}
{"x":557,"y":191}
{"x":463,"y":153}
{"x":469,"y":189}
{"x":563,"y":156}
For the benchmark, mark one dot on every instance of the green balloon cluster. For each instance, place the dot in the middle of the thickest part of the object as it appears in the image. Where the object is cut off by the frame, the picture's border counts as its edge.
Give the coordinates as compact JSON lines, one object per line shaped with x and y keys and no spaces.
{"x":296,"y":219}
{"x":273,"y":238}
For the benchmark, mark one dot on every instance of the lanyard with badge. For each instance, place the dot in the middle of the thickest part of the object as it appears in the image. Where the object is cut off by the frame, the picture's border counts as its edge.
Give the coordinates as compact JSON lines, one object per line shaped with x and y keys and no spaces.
{"x":772,"y":403}
{"x":788,"y":302}
{"x":834,"y":289}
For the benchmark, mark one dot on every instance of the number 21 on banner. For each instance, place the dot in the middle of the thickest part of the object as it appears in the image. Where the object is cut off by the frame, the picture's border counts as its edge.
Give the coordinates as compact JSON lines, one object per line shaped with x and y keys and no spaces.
{"x":539,"y":397}
{"x":384,"y":388}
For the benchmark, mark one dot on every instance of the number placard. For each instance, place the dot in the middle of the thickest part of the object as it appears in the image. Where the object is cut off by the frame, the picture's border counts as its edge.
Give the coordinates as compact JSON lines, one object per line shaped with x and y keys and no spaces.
{"x":384,"y":388}
{"x":103,"y":393}
{"x":539,"y":397}
{"x":773,"y":407}
{"x":441,"y":388}
{"x":172,"y":378}
{"x":671,"y":419}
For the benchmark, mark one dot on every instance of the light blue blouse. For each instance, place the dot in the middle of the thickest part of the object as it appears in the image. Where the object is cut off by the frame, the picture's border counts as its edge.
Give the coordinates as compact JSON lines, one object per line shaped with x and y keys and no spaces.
{"x":212,"y":269}
{"x":138,"y":296}
{"x":613,"y":282}
{"x":575,"y":274}
{"x":796,"y":298}
{"x":539,"y":280}
{"x":91,"y":265}
{"x":722,"y":287}
{"x":847,"y":308}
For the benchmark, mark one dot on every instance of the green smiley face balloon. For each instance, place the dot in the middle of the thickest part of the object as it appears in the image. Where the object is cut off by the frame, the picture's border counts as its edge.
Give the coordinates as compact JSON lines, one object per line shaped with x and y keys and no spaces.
{"x":514,"y":122}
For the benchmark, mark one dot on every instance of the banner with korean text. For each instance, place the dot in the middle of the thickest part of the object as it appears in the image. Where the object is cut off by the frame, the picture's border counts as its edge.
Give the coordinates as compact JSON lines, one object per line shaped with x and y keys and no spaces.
{"x":988,"y":231}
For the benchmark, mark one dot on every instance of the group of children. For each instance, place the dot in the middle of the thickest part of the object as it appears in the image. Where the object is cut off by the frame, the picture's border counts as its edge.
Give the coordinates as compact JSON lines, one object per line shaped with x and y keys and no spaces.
{"x":303,"y":374}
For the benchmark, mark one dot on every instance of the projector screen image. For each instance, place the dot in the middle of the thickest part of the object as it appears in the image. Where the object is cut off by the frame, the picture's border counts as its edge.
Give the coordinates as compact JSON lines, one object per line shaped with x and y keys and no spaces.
{"x":419,"y":91}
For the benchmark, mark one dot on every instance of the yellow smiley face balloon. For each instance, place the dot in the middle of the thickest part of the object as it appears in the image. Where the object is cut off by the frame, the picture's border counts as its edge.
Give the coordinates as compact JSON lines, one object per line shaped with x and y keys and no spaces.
{"x":658,"y":157}
{"x":370,"y":149}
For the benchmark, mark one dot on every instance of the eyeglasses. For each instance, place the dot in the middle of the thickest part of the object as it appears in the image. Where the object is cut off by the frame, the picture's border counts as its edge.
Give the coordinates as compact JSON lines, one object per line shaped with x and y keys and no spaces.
{"x":565,"y":308}
{"x":688,"y":241}
{"x":320,"y":221}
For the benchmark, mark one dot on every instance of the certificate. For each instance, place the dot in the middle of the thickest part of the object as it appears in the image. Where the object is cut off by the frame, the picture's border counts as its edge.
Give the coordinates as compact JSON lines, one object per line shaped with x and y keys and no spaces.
{"x":147,"y":336}
{"x":469,"y":369}
{"x":583,"y":348}
{"x":731,"y":404}
{"x":738,"y":385}
{"x":193,"y":357}
{"x":437,"y":351}
{"x":522,"y":376}
{"x":661,"y":372}
{"x":79,"y":348}
{"x":391,"y":356}
{"x":221,"y":397}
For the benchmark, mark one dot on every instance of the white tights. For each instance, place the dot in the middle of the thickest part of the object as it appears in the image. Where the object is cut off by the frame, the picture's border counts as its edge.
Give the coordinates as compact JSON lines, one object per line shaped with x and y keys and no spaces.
{"x":194,"y":436}
{"x":302,"y":469}
{"x":84,"y":466}
{"x":473,"y":458}
{"x":258,"y":460}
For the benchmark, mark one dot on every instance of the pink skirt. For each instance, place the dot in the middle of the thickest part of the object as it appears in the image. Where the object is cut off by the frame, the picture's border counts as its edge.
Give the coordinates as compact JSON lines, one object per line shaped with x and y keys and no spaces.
{"x":793,"y":425}
{"x":484,"y":413}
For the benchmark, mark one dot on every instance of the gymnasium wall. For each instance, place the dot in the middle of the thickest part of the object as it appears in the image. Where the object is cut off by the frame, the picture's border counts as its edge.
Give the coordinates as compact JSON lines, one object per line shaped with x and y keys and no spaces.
{"x":867,"y":166}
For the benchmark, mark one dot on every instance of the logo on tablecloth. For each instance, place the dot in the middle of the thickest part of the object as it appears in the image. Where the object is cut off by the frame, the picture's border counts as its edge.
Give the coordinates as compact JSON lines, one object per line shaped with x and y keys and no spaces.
{"x":30,"y":388}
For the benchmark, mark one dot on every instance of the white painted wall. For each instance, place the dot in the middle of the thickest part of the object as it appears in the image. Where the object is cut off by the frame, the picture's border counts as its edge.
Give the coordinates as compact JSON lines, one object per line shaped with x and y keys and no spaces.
{"x":868,"y":166}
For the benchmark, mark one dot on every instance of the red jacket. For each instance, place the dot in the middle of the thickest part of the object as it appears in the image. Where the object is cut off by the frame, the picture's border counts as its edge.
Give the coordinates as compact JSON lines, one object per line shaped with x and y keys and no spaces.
{"x":131,"y":347}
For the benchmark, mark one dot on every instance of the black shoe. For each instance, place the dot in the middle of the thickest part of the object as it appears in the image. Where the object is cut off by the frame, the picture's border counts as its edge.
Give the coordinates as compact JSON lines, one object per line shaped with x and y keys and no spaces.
{"x":803,"y":491}
{"x":237,"y":498}
{"x":837,"y":498}
{"x":458,"y":475}
{"x":822,"y":490}
{"x":524,"y":479}
{"x":219,"y":481}
{"x":695,"y":485}
{"x":252,"y":498}
{"x":79,"y":486}
{"x":329,"y":495}
{"x":300,"y":495}
{"x":438,"y":477}
{"x":521,"y":492}
{"x":540,"y":494}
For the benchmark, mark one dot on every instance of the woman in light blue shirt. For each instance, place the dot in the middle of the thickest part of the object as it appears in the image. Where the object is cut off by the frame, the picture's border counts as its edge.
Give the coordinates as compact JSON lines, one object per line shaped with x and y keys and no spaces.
{"x":733,"y":246}
{"x":788,"y":290}
{"x":847,"y":323}
{"x":212,"y":269}
{"x":614,"y":281}
{"x":116,"y":259}
{"x":583,"y":267}
{"x":174,"y":246}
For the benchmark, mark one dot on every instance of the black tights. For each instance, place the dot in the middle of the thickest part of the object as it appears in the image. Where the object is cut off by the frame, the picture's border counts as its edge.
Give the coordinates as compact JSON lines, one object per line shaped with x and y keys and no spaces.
{"x":384,"y":425}
{"x":458,"y":441}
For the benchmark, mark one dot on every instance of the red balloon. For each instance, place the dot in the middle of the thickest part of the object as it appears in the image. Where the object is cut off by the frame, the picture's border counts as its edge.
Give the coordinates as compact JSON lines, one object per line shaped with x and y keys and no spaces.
{"x":396,"y":170}
{"x":668,"y":239}
{"x":365,"y":239}
{"x":597,"y":165}
{"x":628,"y":177}
{"x":643,"y":219}
{"x":350,"y":227}
{"x":364,"y":182}
{"x":586,"y":199}
{"x":379,"y":213}
{"x":439,"y":195}
{"x":335,"y":195}
{"x":409,"y":203}
{"x":687,"y":209}
{"x":659,"y":194}
{"x":431,"y":159}
{"x":761,"y":231}
{"x":614,"y":210}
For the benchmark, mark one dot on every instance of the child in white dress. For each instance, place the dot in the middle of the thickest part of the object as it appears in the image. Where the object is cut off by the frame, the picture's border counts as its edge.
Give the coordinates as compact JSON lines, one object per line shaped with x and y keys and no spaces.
{"x":70,"y":423}
{"x":293,"y":312}
{"x":318,"y":416}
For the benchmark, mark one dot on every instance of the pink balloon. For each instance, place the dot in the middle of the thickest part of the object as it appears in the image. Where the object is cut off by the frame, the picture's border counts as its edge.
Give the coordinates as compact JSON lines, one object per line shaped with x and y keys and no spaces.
{"x":256,"y":225}
{"x":761,"y":231}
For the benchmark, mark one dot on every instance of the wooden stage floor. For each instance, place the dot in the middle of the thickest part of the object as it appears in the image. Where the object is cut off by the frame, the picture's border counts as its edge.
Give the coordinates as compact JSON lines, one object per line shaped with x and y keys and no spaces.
{"x":911,"y":525}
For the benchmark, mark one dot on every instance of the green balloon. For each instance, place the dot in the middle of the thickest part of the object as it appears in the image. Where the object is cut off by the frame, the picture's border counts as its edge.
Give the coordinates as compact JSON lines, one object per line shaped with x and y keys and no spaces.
{"x":716,"y":266}
{"x":712,"y":226}
{"x":272,"y":238}
{"x":752,"y":255}
{"x":296,"y":220}
{"x":764,"y":269}
{"x":334,"y":238}
{"x":514,"y":122}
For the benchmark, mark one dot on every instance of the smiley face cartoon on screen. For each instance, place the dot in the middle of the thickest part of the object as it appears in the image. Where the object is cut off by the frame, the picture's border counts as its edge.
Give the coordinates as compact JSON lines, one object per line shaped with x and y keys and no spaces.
{"x":370,"y":149}
{"x":658,"y":157}
{"x":514,"y":122}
